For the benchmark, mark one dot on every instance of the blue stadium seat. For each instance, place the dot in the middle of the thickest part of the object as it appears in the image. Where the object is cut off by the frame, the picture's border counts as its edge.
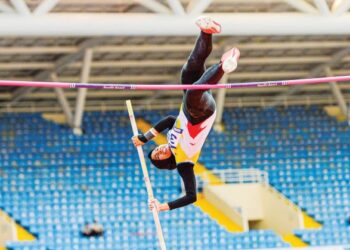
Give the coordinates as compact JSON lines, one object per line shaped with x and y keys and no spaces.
{"x":52,"y":181}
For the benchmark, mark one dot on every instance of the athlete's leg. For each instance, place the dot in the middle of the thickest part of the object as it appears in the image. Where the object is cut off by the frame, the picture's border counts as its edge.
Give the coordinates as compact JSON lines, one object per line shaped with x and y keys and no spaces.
{"x":199,"y":103}
{"x":194,"y":67}
{"x":227,"y":64}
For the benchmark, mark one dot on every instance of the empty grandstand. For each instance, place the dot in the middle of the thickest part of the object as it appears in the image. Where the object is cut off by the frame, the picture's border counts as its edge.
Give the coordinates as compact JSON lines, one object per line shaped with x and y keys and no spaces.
{"x":53,"y":181}
{"x":273,"y":174}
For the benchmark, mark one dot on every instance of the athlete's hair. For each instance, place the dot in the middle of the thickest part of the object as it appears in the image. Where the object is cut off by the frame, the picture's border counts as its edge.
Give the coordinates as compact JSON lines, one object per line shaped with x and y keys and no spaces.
{"x":168,"y":163}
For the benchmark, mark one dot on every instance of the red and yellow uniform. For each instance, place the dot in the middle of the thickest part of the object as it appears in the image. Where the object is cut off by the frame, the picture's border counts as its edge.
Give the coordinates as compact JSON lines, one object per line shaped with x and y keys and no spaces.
{"x":186,"y":140}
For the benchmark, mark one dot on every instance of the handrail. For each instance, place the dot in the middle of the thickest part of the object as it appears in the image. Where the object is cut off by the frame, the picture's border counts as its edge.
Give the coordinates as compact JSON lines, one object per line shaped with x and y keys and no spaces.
{"x":239,"y":176}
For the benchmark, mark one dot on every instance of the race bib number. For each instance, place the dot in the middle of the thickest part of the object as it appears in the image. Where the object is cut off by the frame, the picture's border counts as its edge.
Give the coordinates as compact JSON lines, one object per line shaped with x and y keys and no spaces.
{"x":174,"y":136}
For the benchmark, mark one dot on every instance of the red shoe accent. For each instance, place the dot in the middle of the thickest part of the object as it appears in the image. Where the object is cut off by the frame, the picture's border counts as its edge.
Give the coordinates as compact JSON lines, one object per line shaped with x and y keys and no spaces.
{"x":208,"y":25}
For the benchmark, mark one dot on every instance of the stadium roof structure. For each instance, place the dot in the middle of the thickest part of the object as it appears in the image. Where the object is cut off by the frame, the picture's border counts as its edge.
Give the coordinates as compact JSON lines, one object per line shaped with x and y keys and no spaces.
{"x":147,"y":41}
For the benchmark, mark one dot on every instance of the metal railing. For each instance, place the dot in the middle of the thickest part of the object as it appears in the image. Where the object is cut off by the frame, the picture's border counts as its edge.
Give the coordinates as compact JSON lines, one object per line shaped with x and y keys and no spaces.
{"x":238,"y":176}
{"x":231,"y":176}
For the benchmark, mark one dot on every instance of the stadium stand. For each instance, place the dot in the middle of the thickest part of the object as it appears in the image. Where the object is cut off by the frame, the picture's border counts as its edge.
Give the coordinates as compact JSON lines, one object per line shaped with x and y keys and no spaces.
{"x":306,"y":154}
{"x":51,"y":181}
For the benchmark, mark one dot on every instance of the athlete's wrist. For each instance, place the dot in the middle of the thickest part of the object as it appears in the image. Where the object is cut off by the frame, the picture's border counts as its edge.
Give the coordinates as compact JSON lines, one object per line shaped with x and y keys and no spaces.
{"x":142,"y":138}
{"x":150,"y":134}
{"x":136,"y":141}
{"x":164,"y":207}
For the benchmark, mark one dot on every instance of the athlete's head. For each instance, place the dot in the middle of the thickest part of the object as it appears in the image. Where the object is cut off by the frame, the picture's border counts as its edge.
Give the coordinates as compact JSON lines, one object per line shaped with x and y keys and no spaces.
{"x":162,"y":157}
{"x":162,"y":152}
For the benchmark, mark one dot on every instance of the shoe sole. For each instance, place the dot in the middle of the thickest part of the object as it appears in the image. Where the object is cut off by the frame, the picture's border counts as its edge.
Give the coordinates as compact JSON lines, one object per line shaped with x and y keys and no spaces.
{"x":208,"y":25}
{"x":229,"y":65}
{"x":230,"y":61}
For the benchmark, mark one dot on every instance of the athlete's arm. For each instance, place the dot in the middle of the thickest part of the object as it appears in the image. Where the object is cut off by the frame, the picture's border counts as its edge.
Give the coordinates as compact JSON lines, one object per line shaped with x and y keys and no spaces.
{"x":165,"y":123}
{"x":187,"y":174}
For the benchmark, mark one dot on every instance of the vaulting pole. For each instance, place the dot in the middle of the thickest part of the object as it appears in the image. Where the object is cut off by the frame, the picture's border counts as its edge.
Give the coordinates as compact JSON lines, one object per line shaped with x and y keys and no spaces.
{"x":146,"y":178}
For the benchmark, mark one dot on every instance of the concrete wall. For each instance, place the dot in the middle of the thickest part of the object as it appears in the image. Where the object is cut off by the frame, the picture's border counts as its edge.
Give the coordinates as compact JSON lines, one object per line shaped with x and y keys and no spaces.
{"x":281,"y":214}
{"x":247,"y":196}
{"x":7,"y":229}
{"x":266,"y":207}
{"x":227,"y":208}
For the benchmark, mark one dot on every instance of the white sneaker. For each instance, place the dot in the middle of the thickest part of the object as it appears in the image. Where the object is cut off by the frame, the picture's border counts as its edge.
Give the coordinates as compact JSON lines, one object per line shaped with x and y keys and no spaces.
{"x":208,"y":25}
{"x":230,"y":60}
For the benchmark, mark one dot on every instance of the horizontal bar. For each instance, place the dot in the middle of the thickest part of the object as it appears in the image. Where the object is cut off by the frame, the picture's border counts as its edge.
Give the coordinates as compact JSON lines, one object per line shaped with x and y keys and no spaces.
{"x":104,"y":24}
{"x":123,"y":86}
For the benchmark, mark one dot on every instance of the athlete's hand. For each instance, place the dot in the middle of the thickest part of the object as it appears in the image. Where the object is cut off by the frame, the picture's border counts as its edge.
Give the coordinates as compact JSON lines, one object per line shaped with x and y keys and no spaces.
{"x":160,"y":207}
{"x":137,"y":142}
{"x":153,"y":203}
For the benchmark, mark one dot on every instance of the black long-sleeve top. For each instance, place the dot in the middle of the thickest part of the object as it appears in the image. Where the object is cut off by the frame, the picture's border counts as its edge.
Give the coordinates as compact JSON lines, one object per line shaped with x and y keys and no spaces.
{"x":184,"y":169}
{"x":189,"y":179}
{"x":166,"y":123}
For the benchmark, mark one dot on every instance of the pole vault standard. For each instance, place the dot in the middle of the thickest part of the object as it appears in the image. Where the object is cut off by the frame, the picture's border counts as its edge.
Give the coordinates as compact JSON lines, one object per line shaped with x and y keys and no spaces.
{"x":172,"y":86}
{"x":146,"y":178}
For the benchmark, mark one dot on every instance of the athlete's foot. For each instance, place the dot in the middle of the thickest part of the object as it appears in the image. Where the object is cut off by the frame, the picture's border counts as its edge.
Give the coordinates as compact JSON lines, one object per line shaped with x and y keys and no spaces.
{"x":208,"y":25}
{"x":229,"y":60}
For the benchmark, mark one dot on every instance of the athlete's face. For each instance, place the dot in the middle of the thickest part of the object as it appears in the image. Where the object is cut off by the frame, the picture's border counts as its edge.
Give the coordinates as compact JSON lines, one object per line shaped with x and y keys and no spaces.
{"x":161,"y":152}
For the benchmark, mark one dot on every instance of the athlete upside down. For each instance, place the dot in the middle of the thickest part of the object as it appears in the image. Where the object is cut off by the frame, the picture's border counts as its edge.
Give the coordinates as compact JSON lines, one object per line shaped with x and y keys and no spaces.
{"x":188,"y":132}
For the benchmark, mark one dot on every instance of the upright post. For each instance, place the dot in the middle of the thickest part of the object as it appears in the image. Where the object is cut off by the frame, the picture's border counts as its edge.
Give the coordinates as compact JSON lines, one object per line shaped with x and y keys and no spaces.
{"x":220,"y":100}
{"x":81,"y":97}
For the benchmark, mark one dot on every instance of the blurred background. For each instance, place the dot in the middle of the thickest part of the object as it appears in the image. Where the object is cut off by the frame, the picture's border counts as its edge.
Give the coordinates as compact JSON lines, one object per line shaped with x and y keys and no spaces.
{"x":273,"y":174}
